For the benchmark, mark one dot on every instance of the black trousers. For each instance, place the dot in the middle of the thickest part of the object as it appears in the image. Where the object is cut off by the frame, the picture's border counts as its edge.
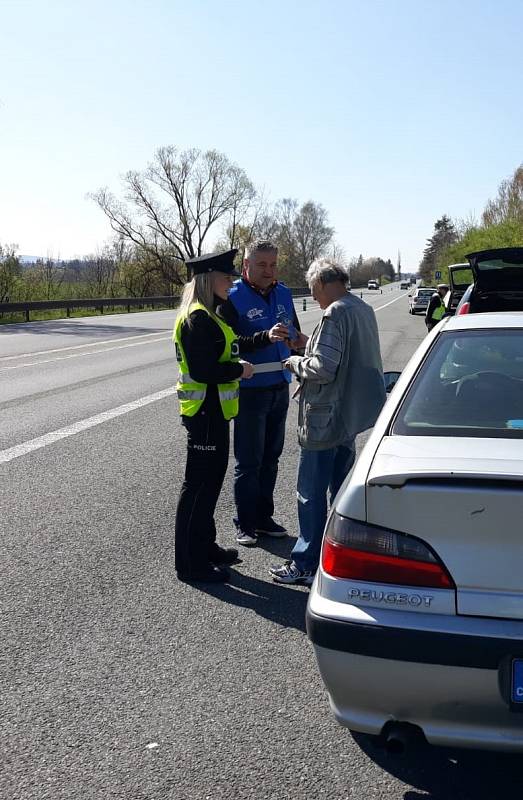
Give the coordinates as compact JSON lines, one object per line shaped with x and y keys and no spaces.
{"x":207,"y":458}
{"x":259,"y":435}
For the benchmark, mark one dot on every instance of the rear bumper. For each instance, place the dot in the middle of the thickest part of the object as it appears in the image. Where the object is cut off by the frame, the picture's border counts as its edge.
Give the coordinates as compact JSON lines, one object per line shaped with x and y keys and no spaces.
{"x":449,"y":684}
{"x":417,"y":646}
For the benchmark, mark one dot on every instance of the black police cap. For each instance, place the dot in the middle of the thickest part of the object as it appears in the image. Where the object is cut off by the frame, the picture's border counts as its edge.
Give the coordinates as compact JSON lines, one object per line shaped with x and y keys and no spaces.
{"x":214,"y":262}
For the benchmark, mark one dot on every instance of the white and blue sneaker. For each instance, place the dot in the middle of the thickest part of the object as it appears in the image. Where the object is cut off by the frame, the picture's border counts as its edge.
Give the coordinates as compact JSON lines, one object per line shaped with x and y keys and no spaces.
{"x":289,"y":573}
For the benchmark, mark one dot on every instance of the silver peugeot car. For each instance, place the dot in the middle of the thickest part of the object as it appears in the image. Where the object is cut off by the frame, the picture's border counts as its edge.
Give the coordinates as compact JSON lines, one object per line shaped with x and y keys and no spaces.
{"x":416,"y":612}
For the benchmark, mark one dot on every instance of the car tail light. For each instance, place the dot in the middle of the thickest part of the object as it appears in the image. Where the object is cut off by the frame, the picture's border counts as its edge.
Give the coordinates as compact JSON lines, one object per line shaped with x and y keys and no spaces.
{"x":465,"y":309}
{"x":365,"y":552}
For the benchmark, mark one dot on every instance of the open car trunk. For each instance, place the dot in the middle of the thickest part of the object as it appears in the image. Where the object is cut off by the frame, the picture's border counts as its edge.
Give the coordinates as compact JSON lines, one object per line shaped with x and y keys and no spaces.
{"x":460,"y":278}
{"x":498,"y":280}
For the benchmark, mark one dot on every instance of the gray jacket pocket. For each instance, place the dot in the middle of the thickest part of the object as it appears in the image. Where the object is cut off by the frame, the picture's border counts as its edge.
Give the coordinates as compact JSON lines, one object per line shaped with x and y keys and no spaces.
{"x":316,"y":422}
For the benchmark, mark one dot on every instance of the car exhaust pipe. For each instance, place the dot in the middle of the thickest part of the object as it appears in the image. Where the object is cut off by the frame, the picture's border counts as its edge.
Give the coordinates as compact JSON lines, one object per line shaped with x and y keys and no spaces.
{"x":400,"y":736}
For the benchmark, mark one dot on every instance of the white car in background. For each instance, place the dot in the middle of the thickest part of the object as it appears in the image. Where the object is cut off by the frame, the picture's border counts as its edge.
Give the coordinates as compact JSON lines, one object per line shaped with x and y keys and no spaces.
{"x":416,"y":612}
{"x":419,"y":299}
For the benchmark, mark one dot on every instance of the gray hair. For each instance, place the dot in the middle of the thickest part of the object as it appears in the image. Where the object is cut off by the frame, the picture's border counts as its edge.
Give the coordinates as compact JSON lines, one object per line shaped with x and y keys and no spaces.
{"x":324,"y":270}
{"x":260,"y":246}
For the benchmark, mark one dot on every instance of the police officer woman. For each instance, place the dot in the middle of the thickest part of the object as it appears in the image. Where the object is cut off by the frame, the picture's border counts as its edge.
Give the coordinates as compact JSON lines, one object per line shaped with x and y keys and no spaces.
{"x":207,"y":351}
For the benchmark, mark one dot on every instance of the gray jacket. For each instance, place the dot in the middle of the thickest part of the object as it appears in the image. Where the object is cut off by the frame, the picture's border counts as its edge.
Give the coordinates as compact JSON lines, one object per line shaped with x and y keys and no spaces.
{"x":342,"y":388}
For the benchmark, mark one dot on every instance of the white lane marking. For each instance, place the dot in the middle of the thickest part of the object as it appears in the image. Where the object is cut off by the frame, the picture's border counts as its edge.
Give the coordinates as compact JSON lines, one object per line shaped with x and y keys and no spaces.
{"x":79,"y":346}
{"x":82,"y":425}
{"x":389,"y":303}
{"x":80,"y":355}
{"x":317,"y":308}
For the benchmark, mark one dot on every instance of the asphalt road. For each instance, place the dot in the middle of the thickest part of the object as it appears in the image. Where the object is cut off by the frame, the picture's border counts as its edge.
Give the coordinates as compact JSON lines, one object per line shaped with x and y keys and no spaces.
{"x":116,"y":681}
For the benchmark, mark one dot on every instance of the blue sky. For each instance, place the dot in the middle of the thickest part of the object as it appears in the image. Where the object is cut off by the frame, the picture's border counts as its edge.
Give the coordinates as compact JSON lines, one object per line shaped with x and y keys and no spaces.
{"x":388,"y":113}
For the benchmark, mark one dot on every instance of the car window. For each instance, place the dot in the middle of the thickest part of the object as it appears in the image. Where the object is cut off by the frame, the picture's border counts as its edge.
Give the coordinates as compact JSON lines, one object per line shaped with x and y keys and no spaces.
{"x":499,"y":263}
{"x":471,"y":384}
{"x":462,"y":277}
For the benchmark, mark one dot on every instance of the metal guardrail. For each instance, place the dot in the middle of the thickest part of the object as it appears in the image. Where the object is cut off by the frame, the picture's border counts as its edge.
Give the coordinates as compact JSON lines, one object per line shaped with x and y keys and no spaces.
{"x":95,"y":302}
{"x":171,"y":301}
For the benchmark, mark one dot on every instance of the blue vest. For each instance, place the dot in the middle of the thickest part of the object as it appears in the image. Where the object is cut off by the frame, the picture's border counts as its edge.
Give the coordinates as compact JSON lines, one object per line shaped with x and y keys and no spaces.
{"x":257,"y":313}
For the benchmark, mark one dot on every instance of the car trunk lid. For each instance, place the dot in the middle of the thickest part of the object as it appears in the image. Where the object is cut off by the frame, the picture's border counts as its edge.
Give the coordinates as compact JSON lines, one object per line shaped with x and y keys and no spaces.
{"x":467,"y":506}
{"x":460,"y":278}
{"x":500,"y":269}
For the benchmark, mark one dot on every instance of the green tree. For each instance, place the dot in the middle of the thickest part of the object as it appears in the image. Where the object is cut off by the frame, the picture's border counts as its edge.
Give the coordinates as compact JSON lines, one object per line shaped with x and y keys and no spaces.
{"x":10,"y":273}
{"x":504,"y":234}
{"x":508,"y":204}
{"x":501,"y":225}
{"x":443,"y":237}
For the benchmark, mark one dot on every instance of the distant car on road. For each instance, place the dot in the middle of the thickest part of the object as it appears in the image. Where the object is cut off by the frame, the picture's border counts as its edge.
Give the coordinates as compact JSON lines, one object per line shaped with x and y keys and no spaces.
{"x":416,"y":613}
{"x":419,"y":299}
{"x":405,"y":285}
{"x":495,"y":282}
{"x":373,"y":285}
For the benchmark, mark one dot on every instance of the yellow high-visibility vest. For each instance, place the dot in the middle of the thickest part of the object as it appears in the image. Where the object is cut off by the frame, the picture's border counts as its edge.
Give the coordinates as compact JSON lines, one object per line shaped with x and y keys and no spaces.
{"x":191,"y":394}
{"x":439,"y":312}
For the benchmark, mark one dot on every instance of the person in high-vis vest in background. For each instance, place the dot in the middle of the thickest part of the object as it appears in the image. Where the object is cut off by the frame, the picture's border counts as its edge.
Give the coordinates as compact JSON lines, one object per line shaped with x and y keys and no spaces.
{"x":436,"y":309}
{"x":207,"y":351}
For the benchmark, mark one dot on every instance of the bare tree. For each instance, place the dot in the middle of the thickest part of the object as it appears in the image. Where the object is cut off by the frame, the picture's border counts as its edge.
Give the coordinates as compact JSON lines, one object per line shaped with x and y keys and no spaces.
{"x":313,"y":235}
{"x":50,"y":275}
{"x":171,"y":206}
{"x":100,"y":271}
{"x":338,"y":254}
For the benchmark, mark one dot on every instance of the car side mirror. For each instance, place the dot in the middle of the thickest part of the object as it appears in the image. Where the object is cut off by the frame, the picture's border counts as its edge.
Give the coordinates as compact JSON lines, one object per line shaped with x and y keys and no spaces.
{"x":391,"y":379}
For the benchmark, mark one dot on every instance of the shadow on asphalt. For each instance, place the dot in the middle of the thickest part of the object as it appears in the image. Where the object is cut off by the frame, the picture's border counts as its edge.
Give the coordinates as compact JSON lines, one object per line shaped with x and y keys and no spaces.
{"x":283,"y":605}
{"x":71,"y":327}
{"x":281,"y":548}
{"x":442,"y":774}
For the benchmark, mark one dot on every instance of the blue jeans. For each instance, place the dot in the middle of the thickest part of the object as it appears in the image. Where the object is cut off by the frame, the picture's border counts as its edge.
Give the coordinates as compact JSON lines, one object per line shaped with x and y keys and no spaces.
{"x":319,"y":471}
{"x":259,"y":434}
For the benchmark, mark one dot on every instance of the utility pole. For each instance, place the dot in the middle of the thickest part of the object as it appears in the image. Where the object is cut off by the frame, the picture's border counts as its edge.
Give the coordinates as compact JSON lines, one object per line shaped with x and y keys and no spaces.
{"x":399,"y":266}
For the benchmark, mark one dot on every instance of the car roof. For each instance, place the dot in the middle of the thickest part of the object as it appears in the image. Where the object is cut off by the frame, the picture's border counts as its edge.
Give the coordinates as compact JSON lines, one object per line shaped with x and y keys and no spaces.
{"x":498,"y":319}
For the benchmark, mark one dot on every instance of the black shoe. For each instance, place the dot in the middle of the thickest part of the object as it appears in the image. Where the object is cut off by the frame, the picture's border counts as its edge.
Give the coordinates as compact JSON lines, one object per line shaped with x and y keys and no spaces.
{"x":271,"y":528}
{"x":210,"y":574}
{"x":224,"y":555}
{"x":246,"y":538}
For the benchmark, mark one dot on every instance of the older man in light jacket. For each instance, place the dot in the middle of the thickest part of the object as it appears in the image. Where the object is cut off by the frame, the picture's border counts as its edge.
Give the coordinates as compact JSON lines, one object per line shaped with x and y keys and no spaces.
{"x":342,"y":393}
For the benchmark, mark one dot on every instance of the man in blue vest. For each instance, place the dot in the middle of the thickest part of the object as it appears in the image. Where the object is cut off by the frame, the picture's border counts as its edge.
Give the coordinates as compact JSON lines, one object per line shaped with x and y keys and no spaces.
{"x":257,"y":302}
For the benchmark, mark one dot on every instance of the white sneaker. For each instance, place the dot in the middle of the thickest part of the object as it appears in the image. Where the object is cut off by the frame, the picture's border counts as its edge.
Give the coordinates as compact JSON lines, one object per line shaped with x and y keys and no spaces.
{"x":289,"y":573}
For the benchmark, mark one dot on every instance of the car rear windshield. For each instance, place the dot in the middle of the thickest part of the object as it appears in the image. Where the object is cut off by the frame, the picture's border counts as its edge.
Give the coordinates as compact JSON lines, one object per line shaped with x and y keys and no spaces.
{"x":470,"y":384}
{"x":426,"y":293}
{"x":500,"y":263}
